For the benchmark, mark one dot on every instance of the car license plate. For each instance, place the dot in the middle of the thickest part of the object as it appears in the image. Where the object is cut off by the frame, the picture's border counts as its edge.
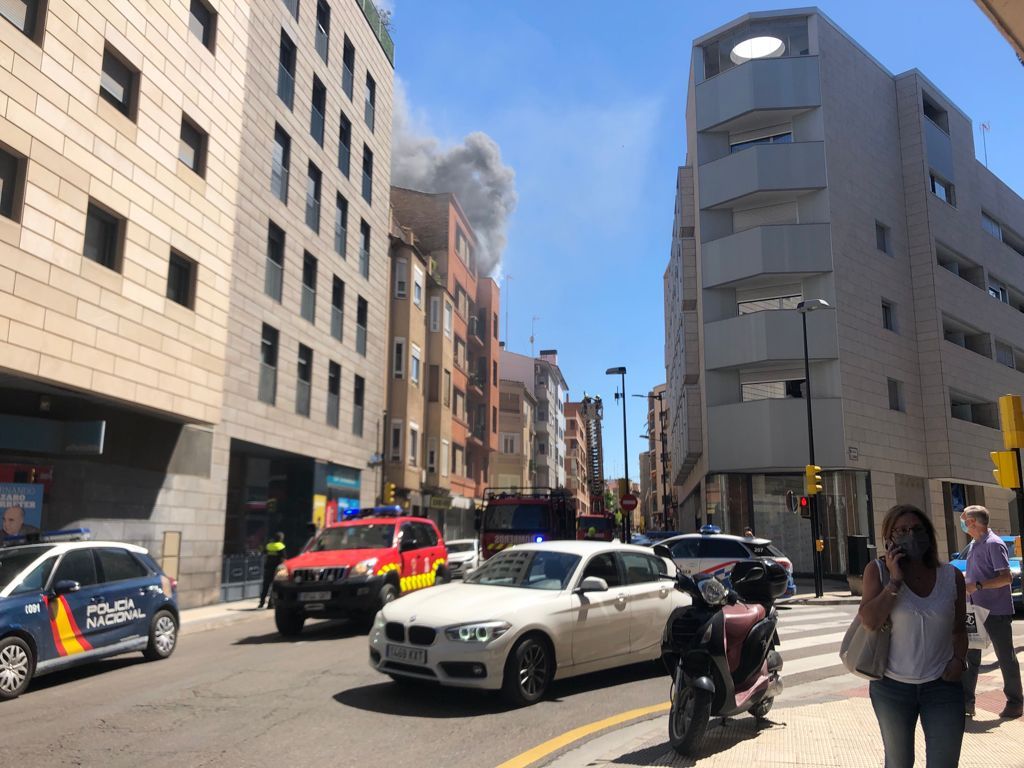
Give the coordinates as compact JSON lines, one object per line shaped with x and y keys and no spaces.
{"x":306,"y":597}
{"x":412,"y":655}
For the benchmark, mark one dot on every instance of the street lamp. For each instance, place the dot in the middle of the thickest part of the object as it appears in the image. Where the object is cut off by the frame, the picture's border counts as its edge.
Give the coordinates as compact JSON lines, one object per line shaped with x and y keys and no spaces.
{"x":621,"y":371}
{"x":810,"y":305}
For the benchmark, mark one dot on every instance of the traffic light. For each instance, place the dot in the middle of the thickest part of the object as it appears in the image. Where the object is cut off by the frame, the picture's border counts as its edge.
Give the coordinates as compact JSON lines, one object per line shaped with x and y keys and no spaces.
{"x":1005,"y":473}
{"x":812,"y":479}
{"x":805,"y":507}
{"x":1011,"y":419}
{"x":389,"y":493}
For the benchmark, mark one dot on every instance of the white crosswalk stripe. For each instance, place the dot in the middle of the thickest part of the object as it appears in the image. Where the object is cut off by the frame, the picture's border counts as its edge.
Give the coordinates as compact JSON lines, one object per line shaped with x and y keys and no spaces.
{"x":809,"y":638}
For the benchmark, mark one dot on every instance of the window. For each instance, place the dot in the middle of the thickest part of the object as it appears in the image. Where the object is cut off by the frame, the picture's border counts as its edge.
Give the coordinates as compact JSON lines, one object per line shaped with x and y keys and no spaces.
{"x":367,"y":174}
{"x":461,"y":245}
{"x":345,"y":145}
{"x":12,"y":183}
{"x":26,"y":16}
{"x":341,"y":227}
{"x":417,"y":286}
{"x":348,"y":67}
{"x":448,"y":319}
{"x":713,"y":546}
{"x":119,"y":565}
{"x":494,"y":419}
{"x":685,"y":549}
{"x":268,"y":365}
{"x":935,"y":113}
{"x":103,"y":235}
{"x":304,"y":378}
{"x":202,"y":21}
{"x":771,"y":390}
{"x":509,"y":442}
{"x":313,"y":181}
{"x":77,"y":565}
{"x":280,"y":164}
{"x":494,"y":328}
{"x":991,"y":226}
{"x":888,"y":316}
{"x":274,"y":277}
{"x":432,"y":454}
{"x":459,"y":409}
{"x":604,"y":567}
{"x":181,"y":280}
{"x":896,"y":395}
{"x":447,"y":390}
{"x":640,"y":569}
{"x":323,"y":28}
{"x":362,"y":311}
{"x":119,"y":83}
{"x":435,"y":314}
{"x":286,"y":71}
{"x":944,"y":190}
{"x":293,"y":8}
{"x":398,"y":359}
{"x":759,"y":305}
{"x":494,"y":373}
{"x":433,"y":383}
{"x":370,"y":108}
{"x":396,"y":440}
{"x":458,"y":460}
{"x":777,"y":138}
{"x":333,"y":392}
{"x":882,"y":237}
{"x":319,"y":108}
{"x":192,"y":148}
{"x":445,"y":454}
{"x":414,"y":445}
{"x":1004,"y":354}
{"x":308,"y":303}
{"x":414,"y":365}
{"x":542,"y":448}
{"x":35,"y":580}
{"x":401,"y":278}
{"x":358,"y":395}
{"x":338,"y":308}
{"x":997,"y":290}
{"x":364,"y":248}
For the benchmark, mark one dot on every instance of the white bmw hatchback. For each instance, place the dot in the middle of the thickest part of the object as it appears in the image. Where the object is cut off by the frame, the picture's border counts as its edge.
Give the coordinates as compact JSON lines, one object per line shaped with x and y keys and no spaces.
{"x":529,"y":615}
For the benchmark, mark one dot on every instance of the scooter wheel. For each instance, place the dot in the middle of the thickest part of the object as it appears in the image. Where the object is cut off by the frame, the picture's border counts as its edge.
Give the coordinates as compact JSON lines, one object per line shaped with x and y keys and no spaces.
{"x":688,"y":720}
{"x":762,"y":708}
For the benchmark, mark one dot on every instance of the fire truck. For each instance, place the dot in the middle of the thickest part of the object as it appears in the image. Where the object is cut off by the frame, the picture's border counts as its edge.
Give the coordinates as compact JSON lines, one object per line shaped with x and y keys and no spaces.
{"x":513,"y":516}
{"x":603,"y":525}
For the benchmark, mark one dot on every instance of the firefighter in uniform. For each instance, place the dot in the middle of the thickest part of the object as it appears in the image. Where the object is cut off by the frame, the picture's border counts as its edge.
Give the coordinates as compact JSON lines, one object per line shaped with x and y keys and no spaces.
{"x":273,"y":556}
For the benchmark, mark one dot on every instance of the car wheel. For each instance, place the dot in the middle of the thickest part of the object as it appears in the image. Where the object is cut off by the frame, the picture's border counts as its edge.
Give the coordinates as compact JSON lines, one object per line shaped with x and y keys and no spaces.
{"x":17,"y":663}
{"x":387,"y":593}
{"x":528,"y":671}
{"x":289,"y":623}
{"x":163,"y":636}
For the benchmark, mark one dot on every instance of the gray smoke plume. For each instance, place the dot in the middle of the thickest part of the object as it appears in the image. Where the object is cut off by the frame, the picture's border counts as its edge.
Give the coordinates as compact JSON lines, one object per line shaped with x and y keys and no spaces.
{"x":473,"y":171}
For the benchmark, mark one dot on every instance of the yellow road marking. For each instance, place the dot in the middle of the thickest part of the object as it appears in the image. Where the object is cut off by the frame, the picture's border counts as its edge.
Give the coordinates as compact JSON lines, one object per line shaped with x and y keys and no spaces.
{"x":531,"y":756}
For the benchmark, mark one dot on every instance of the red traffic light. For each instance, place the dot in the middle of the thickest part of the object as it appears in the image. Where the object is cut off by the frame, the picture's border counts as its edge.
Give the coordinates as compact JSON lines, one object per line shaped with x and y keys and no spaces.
{"x":804,"y":502}
{"x":805,"y":507}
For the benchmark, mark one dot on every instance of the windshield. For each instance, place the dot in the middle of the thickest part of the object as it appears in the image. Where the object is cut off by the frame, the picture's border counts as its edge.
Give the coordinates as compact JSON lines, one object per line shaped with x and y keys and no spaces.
{"x":460,"y":546}
{"x":601,"y":524}
{"x":526,"y":568}
{"x":14,"y":561}
{"x":368,"y":536}
{"x":517,"y":517}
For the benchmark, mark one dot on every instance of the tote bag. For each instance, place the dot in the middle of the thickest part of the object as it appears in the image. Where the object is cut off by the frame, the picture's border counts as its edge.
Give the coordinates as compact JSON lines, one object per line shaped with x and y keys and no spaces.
{"x":977,"y":637}
{"x":865,"y":652}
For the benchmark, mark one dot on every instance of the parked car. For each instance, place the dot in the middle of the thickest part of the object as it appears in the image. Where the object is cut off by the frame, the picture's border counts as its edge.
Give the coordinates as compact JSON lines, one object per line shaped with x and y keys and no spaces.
{"x":959,"y":559}
{"x":463,"y":556}
{"x":529,"y":615}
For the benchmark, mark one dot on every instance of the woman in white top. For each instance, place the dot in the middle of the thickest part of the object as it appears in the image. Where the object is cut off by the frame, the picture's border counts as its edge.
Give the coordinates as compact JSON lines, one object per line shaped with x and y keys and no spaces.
{"x":925,"y":602}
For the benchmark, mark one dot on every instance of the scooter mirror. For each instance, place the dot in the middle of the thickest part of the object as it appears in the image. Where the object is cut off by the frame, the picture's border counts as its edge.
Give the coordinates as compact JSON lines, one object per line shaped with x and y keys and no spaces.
{"x":662,"y":550}
{"x":755,"y":573}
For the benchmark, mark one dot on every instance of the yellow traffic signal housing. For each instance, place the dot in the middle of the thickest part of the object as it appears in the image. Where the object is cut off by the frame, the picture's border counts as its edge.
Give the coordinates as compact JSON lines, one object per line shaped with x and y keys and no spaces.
{"x":389,"y":493}
{"x":812,"y":479}
{"x":1011,"y":419}
{"x":1005,"y":473}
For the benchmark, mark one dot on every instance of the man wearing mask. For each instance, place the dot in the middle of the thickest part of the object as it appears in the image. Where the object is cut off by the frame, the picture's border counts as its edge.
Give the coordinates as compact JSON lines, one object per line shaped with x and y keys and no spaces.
{"x":988,"y":585}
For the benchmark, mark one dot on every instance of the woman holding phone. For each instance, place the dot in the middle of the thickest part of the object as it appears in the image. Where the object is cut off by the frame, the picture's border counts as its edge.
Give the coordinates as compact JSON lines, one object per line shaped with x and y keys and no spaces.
{"x":925,"y":601}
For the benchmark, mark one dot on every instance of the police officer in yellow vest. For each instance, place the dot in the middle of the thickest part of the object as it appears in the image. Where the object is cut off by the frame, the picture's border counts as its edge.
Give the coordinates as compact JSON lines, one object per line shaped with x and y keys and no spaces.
{"x":273,"y":556}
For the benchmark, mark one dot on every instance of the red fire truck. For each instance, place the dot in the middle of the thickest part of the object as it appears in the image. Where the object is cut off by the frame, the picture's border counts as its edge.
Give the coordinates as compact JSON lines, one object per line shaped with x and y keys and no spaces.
{"x":512,"y":516}
{"x":603,"y":525}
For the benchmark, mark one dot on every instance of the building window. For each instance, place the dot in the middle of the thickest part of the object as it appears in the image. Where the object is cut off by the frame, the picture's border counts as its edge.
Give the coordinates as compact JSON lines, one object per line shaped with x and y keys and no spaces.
{"x":358,"y":395}
{"x":307,"y":306}
{"x":338,"y":309}
{"x":896,"y":402}
{"x":398,"y":359}
{"x":509,"y":442}
{"x":997,"y":290}
{"x":445,"y":454}
{"x":944,"y":190}
{"x":448,"y":319}
{"x":771,"y":390}
{"x":286,"y":71}
{"x":882,"y":237}
{"x":494,"y":325}
{"x":348,"y":67}
{"x":414,"y":365}
{"x":760,"y":305}
{"x":417,"y":286}
{"x":888,"y":316}
{"x":333,"y":392}
{"x":293,"y":8}
{"x":370,"y":108}
{"x":119,"y":83}
{"x":401,"y":278}
{"x":936,"y":114}
{"x":396,"y":440}
{"x":494,"y":419}
{"x":341,"y":227}
{"x":274,"y":277}
{"x":362,"y":311}
{"x":991,"y":226}
{"x":433,"y":383}
{"x":268,"y":365}
{"x":317,"y":111}
{"x":775,"y":138}
{"x":345,"y":145}
{"x":202,"y":21}
{"x":26,"y":15}
{"x":181,"y":280}
{"x":12,"y":183}
{"x":367,"y":174}
{"x":364,"y":248}
{"x":103,"y":235}
{"x":432,"y":454}
{"x":458,"y":460}
{"x":313,"y":181}
{"x":494,"y":373}
{"x":280,"y":164}
{"x":459,"y":408}
{"x":323,"y":28}
{"x":192,"y":147}
{"x":1005,"y":355}
{"x":414,"y":445}
{"x":304,"y":379}
{"x":446,"y":390}
{"x":435,"y":314}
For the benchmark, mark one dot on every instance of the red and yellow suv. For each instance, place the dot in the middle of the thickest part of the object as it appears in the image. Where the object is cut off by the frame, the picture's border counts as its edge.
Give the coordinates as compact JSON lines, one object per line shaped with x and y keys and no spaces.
{"x":356,"y":565}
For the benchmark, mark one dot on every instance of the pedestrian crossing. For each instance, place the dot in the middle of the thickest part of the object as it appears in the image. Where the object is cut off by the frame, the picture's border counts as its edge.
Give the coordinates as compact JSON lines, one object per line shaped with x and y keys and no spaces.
{"x":809,"y":640}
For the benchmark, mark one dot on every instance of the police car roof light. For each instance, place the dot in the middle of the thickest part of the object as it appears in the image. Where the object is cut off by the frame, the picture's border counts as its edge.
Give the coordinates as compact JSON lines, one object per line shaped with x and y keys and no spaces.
{"x":708,"y":529}
{"x":48,"y":537}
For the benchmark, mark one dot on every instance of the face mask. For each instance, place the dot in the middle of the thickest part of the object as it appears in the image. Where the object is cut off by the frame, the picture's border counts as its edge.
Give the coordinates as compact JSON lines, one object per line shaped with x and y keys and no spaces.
{"x":963,"y":525}
{"x":914,"y":544}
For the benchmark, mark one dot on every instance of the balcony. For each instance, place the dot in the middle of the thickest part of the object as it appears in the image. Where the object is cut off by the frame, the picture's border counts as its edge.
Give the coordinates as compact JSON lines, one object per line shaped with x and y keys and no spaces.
{"x":796,"y":250}
{"x":771,"y":435}
{"x":475,"y":334}
{"x":478,"y":382}
{"x":764,"y":174}
{"x":378,"y":28}
{"x":285,"y":85}
{"x":784,"y":86}
{"x":770,"y":336}
{"x":279,"y":182}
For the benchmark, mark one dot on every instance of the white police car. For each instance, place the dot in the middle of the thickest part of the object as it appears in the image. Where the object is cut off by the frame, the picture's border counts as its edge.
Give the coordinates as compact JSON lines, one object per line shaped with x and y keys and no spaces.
{"x":64,"y":603}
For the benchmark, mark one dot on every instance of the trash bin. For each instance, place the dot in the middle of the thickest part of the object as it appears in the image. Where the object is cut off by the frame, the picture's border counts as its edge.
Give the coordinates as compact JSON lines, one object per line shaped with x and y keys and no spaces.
{"x":857,"y":556}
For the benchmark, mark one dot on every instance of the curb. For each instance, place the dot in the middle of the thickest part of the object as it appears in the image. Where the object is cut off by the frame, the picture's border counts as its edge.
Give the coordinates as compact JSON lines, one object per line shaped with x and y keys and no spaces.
{"x":216,"y":621}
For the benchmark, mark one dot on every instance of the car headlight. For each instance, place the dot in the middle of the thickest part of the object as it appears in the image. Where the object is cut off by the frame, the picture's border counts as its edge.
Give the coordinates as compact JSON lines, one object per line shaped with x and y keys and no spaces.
{"x":364,"y":568}
{"x":713,"y":591}
{"x":281,"y":574}
{"x":480,"y":632}
{"x":378,"y":620}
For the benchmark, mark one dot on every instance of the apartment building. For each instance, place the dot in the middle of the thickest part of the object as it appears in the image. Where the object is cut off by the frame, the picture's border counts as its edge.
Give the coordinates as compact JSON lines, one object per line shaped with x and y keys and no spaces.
{"x":456,"y":332}
{"x":549,"y":387}
{"x":815,"y":173}
{"x":513,"y":465}
{"x":577,"y":480}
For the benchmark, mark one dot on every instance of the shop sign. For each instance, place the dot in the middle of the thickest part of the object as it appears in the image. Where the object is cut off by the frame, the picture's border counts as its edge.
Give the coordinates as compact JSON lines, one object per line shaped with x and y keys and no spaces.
{"x":440,"y":502}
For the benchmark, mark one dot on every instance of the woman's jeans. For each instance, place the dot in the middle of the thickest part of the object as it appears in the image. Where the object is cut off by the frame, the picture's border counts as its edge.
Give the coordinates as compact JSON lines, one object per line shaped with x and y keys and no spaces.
{"x":940,"y":706}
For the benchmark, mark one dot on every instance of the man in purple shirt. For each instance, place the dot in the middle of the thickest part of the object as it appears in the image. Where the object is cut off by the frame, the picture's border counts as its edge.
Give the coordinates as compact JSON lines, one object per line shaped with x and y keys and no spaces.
{"x":988,"y":585}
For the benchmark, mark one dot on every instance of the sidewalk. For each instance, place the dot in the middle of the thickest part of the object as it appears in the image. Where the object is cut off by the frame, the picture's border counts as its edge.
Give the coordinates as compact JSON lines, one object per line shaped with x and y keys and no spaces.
{"x":834,"y":593}
{"x":220,"y":615}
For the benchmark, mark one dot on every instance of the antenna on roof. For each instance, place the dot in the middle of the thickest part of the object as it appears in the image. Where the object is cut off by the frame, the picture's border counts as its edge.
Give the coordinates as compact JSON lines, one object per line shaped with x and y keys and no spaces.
{"x":985,"y":128}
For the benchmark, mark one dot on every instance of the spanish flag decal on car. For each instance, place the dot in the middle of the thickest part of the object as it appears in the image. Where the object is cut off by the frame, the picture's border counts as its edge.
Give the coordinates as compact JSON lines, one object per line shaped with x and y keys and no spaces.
{"x":67,"y":637}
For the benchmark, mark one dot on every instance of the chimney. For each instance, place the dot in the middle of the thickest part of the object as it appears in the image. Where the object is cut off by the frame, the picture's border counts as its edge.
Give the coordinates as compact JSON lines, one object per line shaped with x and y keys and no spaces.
{"x":549,"y":355}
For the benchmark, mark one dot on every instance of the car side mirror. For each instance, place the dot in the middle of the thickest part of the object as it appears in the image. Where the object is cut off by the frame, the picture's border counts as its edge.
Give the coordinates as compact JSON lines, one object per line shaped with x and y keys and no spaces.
{"x":66,"y":587}
{"x":662,"y":550}
{"x":592,"y":584}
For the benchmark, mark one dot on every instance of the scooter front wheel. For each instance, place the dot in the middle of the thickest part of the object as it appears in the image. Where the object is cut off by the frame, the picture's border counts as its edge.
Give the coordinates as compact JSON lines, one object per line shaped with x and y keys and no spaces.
{"x":688,"y":719}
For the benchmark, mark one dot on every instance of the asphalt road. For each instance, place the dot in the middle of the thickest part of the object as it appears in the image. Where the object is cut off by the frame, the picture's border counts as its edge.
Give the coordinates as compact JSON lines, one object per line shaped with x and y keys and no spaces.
{"x":240,"y":696}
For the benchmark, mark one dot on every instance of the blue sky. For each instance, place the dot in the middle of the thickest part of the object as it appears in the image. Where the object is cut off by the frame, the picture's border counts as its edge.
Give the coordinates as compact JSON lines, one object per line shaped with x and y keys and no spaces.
{"x":587,"y":100}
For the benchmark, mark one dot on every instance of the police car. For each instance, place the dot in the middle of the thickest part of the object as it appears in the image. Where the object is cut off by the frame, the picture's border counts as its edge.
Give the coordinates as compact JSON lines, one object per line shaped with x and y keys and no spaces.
{"x":67,"y":602}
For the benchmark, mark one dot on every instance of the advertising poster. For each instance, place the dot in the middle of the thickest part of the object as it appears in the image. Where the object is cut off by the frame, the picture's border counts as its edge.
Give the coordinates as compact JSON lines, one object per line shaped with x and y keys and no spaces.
{"x":21,"y":508}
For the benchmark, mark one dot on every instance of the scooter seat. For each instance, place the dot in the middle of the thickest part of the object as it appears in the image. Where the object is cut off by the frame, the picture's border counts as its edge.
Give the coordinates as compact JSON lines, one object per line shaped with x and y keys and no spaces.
{"x":739,"y":620}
